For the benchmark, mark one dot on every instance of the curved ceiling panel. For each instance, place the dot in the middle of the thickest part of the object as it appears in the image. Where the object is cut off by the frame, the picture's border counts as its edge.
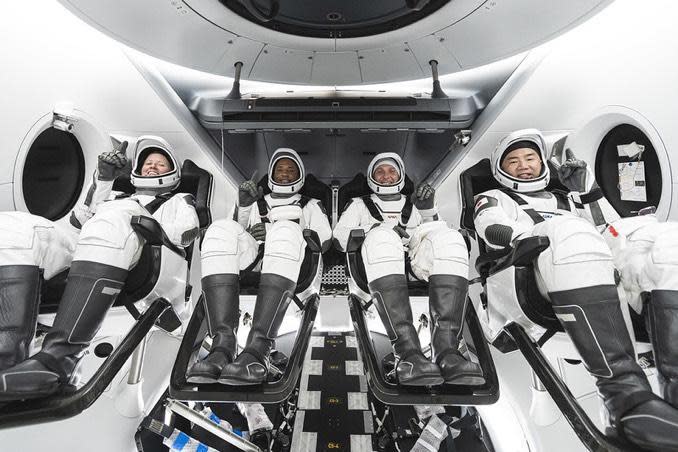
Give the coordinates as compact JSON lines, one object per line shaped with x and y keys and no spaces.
{"x":461,"y":34}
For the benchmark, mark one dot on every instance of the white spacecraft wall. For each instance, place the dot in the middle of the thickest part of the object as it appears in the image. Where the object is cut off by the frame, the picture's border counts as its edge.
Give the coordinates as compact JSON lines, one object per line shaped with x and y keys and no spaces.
{"x":617,"y":67}
{"x":51,"y":59}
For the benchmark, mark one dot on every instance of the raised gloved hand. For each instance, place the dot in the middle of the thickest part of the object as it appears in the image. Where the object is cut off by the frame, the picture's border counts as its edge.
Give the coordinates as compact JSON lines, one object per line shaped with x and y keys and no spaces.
{"x":423,"y":197}
{"x":249,"y":192}
{"x":258,"y":231}
{"x":112,"y":164}
{"x":573,"y":172}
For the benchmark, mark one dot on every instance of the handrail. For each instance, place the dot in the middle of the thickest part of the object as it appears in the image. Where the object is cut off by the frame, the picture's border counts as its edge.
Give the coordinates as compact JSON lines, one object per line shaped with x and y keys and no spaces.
{"x":63,"y":406}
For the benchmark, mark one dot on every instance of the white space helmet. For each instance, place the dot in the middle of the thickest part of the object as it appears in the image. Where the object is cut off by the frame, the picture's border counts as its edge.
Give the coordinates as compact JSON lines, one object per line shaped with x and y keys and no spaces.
{"x":145,"y":146}
{"x":521,"y":138}
{"x":292,"y":187}
{"x":393,"y":159}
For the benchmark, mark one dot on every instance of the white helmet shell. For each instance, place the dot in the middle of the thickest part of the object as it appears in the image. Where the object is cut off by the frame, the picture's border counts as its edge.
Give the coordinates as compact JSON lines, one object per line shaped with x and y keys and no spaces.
{"x":386,"y":157}
{"x":292,"y":187}
{"x":148,"y":145}
{"x":513,"y":183}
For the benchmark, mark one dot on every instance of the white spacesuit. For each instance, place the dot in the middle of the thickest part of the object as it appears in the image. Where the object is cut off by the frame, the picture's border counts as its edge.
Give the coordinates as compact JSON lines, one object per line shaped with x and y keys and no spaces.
{"x":437,"y":254}
{"x":102,"y":254}
{"x":231,"y":246}
{"x":577,"y":273}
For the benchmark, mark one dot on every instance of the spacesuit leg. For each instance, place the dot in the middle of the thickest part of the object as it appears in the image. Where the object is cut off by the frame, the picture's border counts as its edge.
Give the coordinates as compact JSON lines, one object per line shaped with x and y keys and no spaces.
{"x":283,"y":255}
{"x":660,"y":279}
{"x":226,"y":250}
{"x":578,"y":274}
{"x":441,"y":257}
{"x":29,"y":245}
{"x":384,"y":260}
{"x":107,"y":248}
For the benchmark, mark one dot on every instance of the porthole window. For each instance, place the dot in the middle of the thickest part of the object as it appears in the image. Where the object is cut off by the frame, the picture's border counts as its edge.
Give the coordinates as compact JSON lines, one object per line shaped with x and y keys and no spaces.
{"x":53,"y":174}
{"x":625,"y":180}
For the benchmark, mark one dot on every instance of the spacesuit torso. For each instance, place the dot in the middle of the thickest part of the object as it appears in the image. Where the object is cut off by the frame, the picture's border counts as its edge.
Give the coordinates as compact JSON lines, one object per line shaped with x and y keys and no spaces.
{"x":308,"y":212}
{"x":391,"y":212}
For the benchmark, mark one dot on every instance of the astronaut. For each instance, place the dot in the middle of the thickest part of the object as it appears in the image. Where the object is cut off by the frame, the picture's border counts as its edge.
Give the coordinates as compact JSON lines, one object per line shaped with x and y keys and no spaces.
{"x":394,"y":223}
{"x":577,"y":273}
{"x":231,"y":246}
{"x":99,"y":257}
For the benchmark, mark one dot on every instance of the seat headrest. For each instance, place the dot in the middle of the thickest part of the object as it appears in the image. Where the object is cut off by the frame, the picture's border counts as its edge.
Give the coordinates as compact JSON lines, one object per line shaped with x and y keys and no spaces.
{"x":194,"y":180}
{"x":358,"y":187}
{"x":312,"y":188}
{"x":478,"y":179}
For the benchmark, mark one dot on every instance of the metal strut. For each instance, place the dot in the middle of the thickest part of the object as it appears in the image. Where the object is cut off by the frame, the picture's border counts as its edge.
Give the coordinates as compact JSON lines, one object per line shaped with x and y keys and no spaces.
{"x":235,"y":90}
{"x":437,"y":92}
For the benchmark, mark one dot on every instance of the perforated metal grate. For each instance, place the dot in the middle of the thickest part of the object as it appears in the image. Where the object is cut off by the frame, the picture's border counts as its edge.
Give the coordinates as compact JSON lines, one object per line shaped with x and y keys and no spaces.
{"x":335,"y":280}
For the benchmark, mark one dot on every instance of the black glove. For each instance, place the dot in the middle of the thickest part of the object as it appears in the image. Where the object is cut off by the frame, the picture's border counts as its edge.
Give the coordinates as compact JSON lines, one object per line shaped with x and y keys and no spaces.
{"x":258,"y":231}
{"x":423,"y":197}
{"x":112,"y":164}
{"x":572,"y":172}
{"x":249,"y":192}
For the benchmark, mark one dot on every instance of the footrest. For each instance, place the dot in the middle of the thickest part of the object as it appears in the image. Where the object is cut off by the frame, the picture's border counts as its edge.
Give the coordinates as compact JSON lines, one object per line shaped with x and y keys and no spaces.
{"x":270,"y":392}
{"x":393,"y":394}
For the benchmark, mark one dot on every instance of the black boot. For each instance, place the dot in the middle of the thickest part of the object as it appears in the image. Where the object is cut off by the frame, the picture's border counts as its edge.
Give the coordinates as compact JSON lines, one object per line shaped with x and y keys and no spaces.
{"x":662,"y":320}
{"x":90,"y":291}
{"x":447,"y":300}
{"x":19,"y":299}
{"x":593,"y":319}
{"x":252,"y":365}
{"x":221,"y":295}
{"x":393,"y":304}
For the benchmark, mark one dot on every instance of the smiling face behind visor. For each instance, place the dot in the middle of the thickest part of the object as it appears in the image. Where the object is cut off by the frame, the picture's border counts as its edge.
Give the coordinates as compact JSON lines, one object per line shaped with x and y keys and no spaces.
{"x":286,"y":172}
{"x":155,"y":167}
{"x":386,"y":174}
{"x":518,"y":162}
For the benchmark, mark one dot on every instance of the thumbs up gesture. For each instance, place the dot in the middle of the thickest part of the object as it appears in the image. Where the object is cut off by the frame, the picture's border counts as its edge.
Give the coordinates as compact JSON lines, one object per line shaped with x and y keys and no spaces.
{"x":249,"y":192}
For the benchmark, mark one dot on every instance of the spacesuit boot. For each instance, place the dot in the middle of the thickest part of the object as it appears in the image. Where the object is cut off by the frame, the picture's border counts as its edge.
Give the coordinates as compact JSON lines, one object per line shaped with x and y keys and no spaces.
{"x":447,"y":299}
{"x":391,"y":299}
{"x":90,"y":291}
{"x":662,"y":319}
{"x":593,"y":319}
{"x":221,"y":297}
{"x":19,"y":293}
{"x":252,"y":365}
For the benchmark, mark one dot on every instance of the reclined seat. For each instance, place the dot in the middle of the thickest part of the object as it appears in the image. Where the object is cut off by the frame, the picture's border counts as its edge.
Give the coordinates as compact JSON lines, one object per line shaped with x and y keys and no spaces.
{"x":360,"y":301}
{"x":519,"y":316}
{"x":156,"y":292}
{"x":306,"y":299}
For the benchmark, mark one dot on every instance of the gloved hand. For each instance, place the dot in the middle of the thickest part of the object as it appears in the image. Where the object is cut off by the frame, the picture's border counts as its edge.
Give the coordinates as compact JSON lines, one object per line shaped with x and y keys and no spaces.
{"x":112,"y":164}
{"x":423,"y":197}
{"x":258,"y":231}
{"x":249,"y":192}
{"x":572,"y":172}
{"x":401,"y":231}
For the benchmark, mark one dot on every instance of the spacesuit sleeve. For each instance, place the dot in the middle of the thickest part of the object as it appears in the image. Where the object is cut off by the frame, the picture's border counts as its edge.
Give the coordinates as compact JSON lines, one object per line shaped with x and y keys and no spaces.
{"x":595,"y":208}
{"x":317,"y":221}
{"x":179,"y":219}
{"x":98,"y":192}
{"x":349,"y":220}
{"x":493,"y":223}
